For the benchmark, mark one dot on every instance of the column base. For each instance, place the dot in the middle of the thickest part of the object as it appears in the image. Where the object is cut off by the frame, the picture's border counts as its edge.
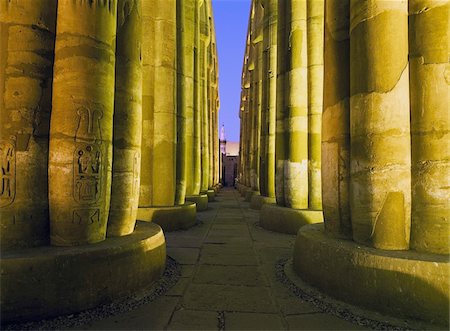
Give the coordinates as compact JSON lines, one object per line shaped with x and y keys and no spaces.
{"x":259,"y":200}
{"x":240,"y":187}
{"x":397,"y":283}
{"x":287,"y":220}
{"x":200,"y":200}
{"x":244,"y":190}
{"x":217,"y":187}
{"x":48,"y":281}
{"x":170,"y":218}
{"x":210,"y":193}
{"x":248,"y":195}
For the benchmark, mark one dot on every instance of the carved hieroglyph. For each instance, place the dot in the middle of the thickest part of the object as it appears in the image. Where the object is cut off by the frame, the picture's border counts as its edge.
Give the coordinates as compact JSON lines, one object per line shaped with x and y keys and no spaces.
{"x":81,"y":125}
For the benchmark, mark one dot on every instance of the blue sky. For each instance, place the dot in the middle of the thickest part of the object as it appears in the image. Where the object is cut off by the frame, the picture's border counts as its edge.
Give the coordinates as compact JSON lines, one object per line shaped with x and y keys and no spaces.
{"x":231,"y":21}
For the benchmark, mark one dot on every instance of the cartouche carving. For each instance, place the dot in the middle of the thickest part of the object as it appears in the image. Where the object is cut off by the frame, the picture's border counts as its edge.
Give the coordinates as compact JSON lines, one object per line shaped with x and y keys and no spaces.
{"x":8,"y":173}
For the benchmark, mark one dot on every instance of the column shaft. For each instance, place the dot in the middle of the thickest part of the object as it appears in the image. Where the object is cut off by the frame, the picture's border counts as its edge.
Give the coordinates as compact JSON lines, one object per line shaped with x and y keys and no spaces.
{"x":26,"y":71}
{"x":281,"y":136}
{"x":379,"y":124}
{"x":188,"y":29}
{"x":430,"y":125}
{"x":80,"y":153}
{"x":204,"y":32}
{"x":159,"y":121}
{"x":336,"y":120}
{"x":127,"y":127}
{"x":197,"y":150}
{"x":258,"y":41}
{"x":296,"y":120}
{"x":270,"y":44}
{"x":315,"y":12}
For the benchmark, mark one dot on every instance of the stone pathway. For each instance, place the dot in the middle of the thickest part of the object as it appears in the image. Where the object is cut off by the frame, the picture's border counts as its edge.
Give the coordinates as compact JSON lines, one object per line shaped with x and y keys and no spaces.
{"x":228,"y":279}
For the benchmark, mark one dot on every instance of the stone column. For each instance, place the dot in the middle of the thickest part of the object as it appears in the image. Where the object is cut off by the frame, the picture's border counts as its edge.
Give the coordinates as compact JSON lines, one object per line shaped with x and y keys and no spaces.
{"x":187,"y":29}
{"x":270,"y":66}
{"x":80,"y":153}
{"x":210,"y":104}
{"x":241,"y":144}
{"x":380,"y":193}
{"x":258,"y":44}
{"x":281,"y":137}
{"x":430,"y":125}
{"x":315,"y":12}
{"x":216,"y":105}
{"x":204,"y":35}
{"x":256,"y":47}
{"x":197,"y":173}
{"x":249,"y":137}
{"x":26,"y":71}
{"x":296,"y":166}
{"x":292,"y":106}
{"x":127,"y":120}
{"x":336,"y":120}
{"x":255,"y":122}
{"x":159,"y":134}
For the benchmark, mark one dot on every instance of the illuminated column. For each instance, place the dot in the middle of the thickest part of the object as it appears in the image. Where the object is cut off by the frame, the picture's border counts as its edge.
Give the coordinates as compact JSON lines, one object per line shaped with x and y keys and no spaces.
{"x":26,"y":71}
{"x":159,"y":134}
{"x":204,"y":35}
{"x":127,"y":128}
{"x":270,"y":90}
{"x":241,"y":151}
{"x":210,"y":106}
{"x":81,"y":128}
{"x":336,"y":120}
{"x":430,"y":125}
{"x":254,"y":132}
{"x":315,"y":12}
{"x":197,"y":149}
{"x":257,"y":44}
{"x":296,"y":104}
{"x":186,"y":30}
{"x":215,"y":104}
{"x":380,"y":193}
{"x":281,"y":137}
{"x":250,"y":50}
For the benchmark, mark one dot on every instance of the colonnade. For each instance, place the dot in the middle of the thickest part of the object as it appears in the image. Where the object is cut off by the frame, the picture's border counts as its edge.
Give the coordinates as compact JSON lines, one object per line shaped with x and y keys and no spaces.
{"x":382,"y":110}
{"x":281,"y":109}
{"x":108,"y":114}
{"x":355,"y":110}
{"x":110,"y":106}
{"x":384,"y":115}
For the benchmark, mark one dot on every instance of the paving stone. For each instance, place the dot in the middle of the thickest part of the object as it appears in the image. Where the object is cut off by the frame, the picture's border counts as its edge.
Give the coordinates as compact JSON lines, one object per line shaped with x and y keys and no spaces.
{"x":226,"y":255}
{"x":193,"y":320}
{"x":230,"y":275}
{"x":272,"y":255}
{"x":229,"y":227}
{"x":184,"y":255}
{"x":179,"y":288}
{"x":228,"y":298}
{"x":320,"y":322}
{"x":184,"y":241}
{"x":242,"y":241}
{"x":227,"y":264}
{"x":187,"y":270}
{"x":292,"y":305}
{"x":230,"y":232}
{"x":153,"y":316}
{"x":253,"y":321}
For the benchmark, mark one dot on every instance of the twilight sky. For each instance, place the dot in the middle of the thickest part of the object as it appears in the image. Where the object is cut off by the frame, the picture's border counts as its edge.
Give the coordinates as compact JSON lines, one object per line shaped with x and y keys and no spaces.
{"x":231,"y":21}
